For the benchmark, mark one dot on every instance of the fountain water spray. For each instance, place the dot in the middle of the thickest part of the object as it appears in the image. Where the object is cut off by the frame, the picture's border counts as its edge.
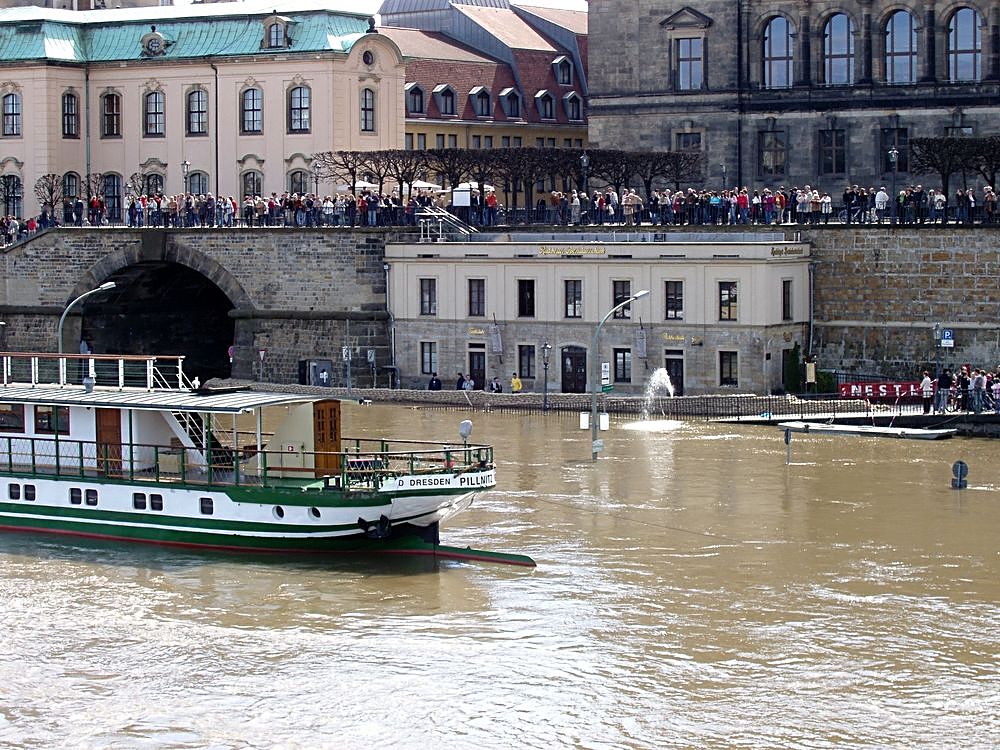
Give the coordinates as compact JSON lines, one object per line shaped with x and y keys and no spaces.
{"x":657,"y":385}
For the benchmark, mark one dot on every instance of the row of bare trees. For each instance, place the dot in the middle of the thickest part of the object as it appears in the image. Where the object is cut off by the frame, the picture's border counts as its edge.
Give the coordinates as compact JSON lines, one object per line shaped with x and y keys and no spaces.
{"x":949,"y":157}
{"x":519,"y":169}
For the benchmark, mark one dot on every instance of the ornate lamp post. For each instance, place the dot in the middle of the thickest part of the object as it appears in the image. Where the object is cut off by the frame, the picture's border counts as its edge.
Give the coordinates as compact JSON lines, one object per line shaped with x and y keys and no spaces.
{"x":546,"y":349}
{"x":584,"y":166}
{"x":894,"y":159}
{"x":185,"y":168}
{"x":595,"y":370}
{"x":102,"y":288}
{"x":723,"y":176}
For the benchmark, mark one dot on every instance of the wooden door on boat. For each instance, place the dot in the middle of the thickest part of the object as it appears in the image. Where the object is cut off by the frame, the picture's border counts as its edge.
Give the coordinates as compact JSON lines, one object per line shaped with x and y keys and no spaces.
{"x":326,"y":437}
{"x":109,"y":441}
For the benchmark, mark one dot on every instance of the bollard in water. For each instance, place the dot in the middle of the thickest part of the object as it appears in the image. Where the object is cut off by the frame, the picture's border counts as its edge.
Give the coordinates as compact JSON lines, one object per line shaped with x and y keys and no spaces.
{"x":959,"y":470}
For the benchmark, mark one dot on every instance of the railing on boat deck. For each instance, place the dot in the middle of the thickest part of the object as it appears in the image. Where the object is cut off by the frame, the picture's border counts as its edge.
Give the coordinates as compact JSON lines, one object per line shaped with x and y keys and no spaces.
{"x":111,"y":370}
{"x":364,"y":464}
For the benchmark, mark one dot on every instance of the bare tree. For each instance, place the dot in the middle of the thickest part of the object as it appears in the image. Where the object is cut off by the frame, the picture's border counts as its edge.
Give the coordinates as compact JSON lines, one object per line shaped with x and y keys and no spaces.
{"x":404,"y":166}
{"x":944,"y":157}
{"x":612,"y":166}
{"x":341,"y":165}
{"x":49,"y":192}
{"x":452,"y":163}
{"x":94,"y":184}
{"x":985,"y":157}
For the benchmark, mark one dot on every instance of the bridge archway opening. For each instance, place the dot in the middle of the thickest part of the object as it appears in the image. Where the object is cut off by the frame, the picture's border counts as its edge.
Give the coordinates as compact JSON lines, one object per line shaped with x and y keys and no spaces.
{"x":160,"y":307}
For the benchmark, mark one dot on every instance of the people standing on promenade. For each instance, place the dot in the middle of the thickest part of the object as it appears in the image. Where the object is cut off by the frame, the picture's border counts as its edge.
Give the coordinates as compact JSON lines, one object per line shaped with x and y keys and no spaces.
{"x":468,"y":384}
{"x":435,"y":382}
{"x":963,"y":388}
{"x":496,"y":386}
{"x":515,"y":383}
{"x":944,"y":383}
{"x":978,"y":395}
{"x":927,"y":391}
{"x":460,"y":383}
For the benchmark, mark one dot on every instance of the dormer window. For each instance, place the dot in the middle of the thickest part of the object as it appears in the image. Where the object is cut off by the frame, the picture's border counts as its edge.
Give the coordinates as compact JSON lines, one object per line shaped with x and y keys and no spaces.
{"x":275,"y":33}
{"x":563,"y":69}
{"x":481,"y":101}
{"x":545,"y":105}
{"x":445,"y":97}
{"x":511,"y":102}
{"x":414,"y":99}
{"x":573,"y":106}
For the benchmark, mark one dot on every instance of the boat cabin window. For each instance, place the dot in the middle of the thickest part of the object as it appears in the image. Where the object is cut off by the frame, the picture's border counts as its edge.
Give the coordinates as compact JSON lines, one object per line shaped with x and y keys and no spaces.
{"x":48,"y":418}
{"x":139,"y":501}
{"x":75,"y":495}
{"x":91,"y":497}
{"x":14,"y":491}
{"x":11,"y":417}
{"x":156,"y":502}
{"x":29,"y":492}
{"x":207,"y":506}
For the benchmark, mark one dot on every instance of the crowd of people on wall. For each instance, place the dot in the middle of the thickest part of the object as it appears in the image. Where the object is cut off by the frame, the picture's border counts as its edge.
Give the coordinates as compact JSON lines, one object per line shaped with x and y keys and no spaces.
{"x":913,"y":205}
{"x":969,"y":389}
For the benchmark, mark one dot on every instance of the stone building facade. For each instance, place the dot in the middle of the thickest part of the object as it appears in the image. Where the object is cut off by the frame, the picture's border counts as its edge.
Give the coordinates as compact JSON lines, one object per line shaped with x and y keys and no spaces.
{"x":793,"y":93}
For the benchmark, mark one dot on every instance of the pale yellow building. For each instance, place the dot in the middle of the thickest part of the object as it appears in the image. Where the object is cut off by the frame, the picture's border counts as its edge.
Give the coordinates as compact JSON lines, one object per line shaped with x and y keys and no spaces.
{"x":231,"y":98}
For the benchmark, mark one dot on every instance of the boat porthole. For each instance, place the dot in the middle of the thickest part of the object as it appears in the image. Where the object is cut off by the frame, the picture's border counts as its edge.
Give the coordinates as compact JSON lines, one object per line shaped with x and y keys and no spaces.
{"x":314,"y":512}
{"x":279,"y":512}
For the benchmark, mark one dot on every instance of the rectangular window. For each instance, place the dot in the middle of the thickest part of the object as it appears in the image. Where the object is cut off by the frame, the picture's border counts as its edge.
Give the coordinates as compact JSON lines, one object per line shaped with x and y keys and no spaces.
{"x":539,"y":143}
{"x":786,"y":299}
{"x":675,"y":300}
{"x":690,"y":64}
{"x":11,"y":417}
{"x":428,"y":297}
{"x":139,"y":500}
{"x":833,"y":151}
{"x":197,"y":115}
{"x":728,"y":368}
{"x":49,"y":418}
{"x":156,"y":502}
{"x":487,"y":141}
{"x":439,"y":141}
{"x":621,"y":291}
{"x":477,"y":142}
{"x":75,"y":496}
{"x":578,"y":143}
{"x":525,"y":298}
{"x":505,"y":141}
{"x":771,"y":153}
{"x":408,"y":141}
{"x":623,"y":365}
{"x":898,"y":139}
{"x":567,"y":143}
{"x":90,"y":497}
{"x":960,"y":131}
{"x":29,"y":493}
{"x":70,"y":116}
{"x":421,"y":141}
{"x":14,"y":491}
{"x":687,"y":141}
{"x":207,"y":506}
{"x":367,"y":111}
{"x":574,"y":297}
{"x":550,"y":142}
{"x":251,"y":106}
{"x":516,"y":141}
{"x":428,"y":357}
{"x":452,"y":141}
{"x":477,"y":298}
{"x":727,"y":300}
{"x":526,"y":361}
{"x":111,"y":119}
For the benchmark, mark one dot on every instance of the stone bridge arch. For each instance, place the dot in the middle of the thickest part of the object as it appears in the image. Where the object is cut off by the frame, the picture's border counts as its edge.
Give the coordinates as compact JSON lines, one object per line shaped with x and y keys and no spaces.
{"x":169,"y":299}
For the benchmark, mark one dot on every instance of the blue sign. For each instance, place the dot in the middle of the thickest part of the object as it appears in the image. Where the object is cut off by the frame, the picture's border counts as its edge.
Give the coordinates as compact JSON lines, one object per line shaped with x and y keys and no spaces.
{"x":947,"y":334}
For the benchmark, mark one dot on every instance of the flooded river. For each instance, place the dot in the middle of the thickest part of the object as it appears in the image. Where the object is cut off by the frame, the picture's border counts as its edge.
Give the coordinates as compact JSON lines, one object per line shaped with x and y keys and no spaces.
{"x":692,"y":591}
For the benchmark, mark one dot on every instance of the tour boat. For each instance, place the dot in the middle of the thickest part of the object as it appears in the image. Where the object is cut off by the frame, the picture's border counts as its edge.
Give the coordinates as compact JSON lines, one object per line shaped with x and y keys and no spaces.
{"x":830,"y":428}
{"x":125,"y":448}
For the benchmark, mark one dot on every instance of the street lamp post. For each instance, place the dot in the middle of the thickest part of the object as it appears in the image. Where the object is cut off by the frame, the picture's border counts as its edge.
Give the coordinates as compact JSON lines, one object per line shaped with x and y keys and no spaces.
{"x":584,"y":166}
{"x":723,"y":176}
{"x":102,"y":288}
{"x":893,"y":159}
{"x":546,"y":349}
{"x":185,"y":168}
{"x":595,"y":370}
{"x":937,"y":350}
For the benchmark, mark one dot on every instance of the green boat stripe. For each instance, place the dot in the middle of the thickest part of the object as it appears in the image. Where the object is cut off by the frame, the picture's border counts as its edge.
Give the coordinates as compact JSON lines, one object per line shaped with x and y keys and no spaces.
{"x":46,"y":514}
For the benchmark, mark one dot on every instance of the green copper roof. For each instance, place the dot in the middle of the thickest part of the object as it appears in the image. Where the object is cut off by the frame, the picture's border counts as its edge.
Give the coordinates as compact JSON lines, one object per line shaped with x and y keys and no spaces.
{"x":316,"y":31}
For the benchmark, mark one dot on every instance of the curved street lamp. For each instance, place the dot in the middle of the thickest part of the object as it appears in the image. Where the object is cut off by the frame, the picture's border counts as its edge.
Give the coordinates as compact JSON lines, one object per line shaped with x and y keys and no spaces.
{"x":595,"y":371}
{"x":102,"y":288}
{"x":894,"y":160}
{"x":546,"y":350}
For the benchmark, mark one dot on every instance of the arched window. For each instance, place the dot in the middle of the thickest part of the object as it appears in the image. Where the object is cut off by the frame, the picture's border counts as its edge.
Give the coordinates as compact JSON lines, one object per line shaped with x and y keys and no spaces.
{"x":252,"y":184}
{"x":111,"y":116}
{"x":276,"y":36}
{"x":70,"y":116}
{"x":251,"y":111}
{"x":564,"y":72}
{"x":838,"y":50}
{"x":778,"y":54}
{"x":298,"y":182}
{"x":198,"y":183}
{"x":965,"y":46}
{"x":154,"y":120}
{"x":299,"y":109}
{"x":12,"y":191}
{"x":367,"y":111}
{"x":901,"y":48}
{"x":546,"y":110}
{"x":415,"y":101}
{"x":12,"y":114}
{"x":112,"y":191}
{"x":153,"y":184}
{"x":197,"y":112}
{"x":483,"y":104}
{"x":512,"y":105}
{"x":447,"y":102}
{"x":71,"y":185}
{"x":574,"y":108}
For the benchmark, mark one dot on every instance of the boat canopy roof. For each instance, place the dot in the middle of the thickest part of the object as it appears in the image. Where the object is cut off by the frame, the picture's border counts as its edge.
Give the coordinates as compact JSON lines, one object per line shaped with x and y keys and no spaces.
{"x":204,"y":402}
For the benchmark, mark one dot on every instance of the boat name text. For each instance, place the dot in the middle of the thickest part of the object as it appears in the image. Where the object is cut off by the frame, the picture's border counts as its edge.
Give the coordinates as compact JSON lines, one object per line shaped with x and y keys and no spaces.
{"x":447,"y":481}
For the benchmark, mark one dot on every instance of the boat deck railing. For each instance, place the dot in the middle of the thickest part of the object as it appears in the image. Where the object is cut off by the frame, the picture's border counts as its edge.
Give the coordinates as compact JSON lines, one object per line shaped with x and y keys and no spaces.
{"x":120,"y":371}
{"x":364,"y":464}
